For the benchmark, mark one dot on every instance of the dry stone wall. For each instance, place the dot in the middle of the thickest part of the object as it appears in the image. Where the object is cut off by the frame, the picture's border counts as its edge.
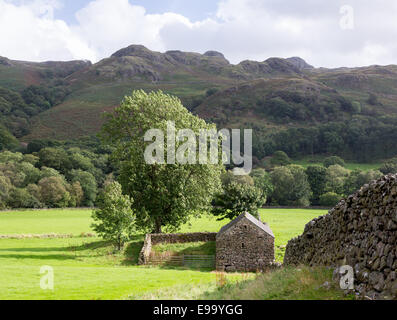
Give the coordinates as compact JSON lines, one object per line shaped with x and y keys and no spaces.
{"x":361,"y":231}
{"x":154,"y":239}
{"x":183,"y":237}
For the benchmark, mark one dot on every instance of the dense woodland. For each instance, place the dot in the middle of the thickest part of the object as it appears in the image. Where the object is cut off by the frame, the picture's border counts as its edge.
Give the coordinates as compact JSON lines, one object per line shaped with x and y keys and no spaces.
{"x":50,"y":174}
{"x":53,"y":175}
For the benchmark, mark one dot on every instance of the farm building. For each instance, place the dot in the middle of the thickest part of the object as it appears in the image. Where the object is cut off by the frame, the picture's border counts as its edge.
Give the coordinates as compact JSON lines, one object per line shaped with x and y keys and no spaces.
{"x":245,"y":244}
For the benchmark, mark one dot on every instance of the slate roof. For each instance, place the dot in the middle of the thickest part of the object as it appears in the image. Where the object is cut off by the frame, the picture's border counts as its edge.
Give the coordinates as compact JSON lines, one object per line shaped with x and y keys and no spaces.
{"x":252,"y":219}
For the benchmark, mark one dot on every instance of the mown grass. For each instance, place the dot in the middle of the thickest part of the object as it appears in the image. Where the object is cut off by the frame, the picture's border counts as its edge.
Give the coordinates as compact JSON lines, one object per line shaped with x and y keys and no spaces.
{"x":67,"y":221}
{"x":88,"y":268}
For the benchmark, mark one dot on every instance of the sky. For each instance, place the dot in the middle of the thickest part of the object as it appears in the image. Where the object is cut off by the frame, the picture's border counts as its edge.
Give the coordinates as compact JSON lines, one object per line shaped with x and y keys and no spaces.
{"x":338,"y":33}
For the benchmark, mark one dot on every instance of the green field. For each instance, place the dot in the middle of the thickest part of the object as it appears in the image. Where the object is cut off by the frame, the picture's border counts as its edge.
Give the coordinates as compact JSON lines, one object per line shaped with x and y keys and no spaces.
{"x":88,"y":268}
{"x":349,"y":165}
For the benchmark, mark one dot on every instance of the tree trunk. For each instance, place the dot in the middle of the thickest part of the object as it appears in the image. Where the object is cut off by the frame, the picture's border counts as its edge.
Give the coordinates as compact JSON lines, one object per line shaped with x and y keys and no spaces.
{"x":157,"y":226}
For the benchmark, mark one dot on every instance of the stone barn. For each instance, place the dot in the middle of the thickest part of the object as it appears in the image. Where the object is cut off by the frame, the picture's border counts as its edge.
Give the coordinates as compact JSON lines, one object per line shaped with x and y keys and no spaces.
{"x":244,"y":245}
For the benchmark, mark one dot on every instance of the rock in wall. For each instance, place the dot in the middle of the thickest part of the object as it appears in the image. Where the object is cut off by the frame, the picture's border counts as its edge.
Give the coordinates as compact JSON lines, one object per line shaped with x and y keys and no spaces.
{"x":361,"y":231}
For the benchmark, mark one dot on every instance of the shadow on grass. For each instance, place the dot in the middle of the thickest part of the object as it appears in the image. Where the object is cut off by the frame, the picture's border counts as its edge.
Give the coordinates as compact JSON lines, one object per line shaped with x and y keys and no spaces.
{"x":37,"y":257}
{"x":132,"y":251}
{"x":207,"y":249}
{"x":82,"y":247}
{"x":89,"y":246}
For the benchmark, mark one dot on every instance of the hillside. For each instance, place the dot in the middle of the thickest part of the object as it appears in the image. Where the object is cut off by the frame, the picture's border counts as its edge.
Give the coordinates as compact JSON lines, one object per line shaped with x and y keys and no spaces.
{"x":291,"y":105}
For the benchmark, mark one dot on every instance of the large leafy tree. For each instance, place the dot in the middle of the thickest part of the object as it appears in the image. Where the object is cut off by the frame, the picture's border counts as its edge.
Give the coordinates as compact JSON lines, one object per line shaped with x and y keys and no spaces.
{"x":88,"y":184}
{"x":291,"y":186}
{"x":236,"y":199}
{"x":262,"y":180}
{"x":317,"y":177}
{"x":165,"y":195}
{"x":358,"y":178}
{"x":336,"y":176}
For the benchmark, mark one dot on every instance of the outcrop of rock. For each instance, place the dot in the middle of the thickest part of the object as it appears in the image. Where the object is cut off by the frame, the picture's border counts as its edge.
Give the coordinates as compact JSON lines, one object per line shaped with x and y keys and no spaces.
{"x":5,"y":62}
{"x":361,"y":232}
{"x":300,"y":63}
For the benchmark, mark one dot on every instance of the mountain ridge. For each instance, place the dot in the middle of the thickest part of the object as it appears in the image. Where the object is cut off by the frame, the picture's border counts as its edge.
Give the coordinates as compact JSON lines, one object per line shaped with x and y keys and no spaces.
{"x":272,"y":96}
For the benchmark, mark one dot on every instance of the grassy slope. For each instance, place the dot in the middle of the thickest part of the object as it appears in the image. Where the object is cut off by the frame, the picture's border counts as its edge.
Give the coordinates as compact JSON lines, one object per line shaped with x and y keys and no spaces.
{"x":81,"y":113}
{"x":89,"y":268}
{"x":284,"y":284}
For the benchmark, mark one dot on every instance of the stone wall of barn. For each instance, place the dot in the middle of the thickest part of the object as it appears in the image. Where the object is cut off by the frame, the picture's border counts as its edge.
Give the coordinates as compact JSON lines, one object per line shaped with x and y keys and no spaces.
{"x":361,"y":232}
{"x":245,"y":248}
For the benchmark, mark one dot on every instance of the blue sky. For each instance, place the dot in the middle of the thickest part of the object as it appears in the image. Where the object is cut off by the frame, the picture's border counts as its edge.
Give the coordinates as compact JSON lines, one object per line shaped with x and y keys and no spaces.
{"x":324,"y":33}
{"x":193,"y":9}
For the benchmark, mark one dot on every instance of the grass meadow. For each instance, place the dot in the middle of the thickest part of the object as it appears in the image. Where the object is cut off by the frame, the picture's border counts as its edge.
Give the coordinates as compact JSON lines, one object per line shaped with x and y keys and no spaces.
{"x":349,"y":165}
{"x":88,"y":268}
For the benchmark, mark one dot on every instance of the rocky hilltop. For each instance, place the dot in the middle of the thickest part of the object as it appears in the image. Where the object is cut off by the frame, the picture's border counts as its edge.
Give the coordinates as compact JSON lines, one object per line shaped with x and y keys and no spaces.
{"x":138,"y":62}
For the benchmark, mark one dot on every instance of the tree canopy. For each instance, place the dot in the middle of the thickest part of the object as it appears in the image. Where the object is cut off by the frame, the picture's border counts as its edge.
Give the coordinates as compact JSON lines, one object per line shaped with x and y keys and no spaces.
{"x":165,"y":195}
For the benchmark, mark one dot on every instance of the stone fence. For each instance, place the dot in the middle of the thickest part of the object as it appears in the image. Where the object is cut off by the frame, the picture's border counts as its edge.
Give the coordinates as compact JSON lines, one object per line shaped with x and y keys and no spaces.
{"x":361,"y":232}
{"x":154,"y":239}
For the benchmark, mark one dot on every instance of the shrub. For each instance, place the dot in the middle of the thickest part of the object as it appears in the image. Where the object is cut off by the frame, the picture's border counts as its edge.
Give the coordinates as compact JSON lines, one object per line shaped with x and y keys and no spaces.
{"x":5,"y":188}
{"x":21,"y":198}
{"x":389,"y":166}
{"x":329,"y":199}
{"x":280,"y":158}
{"x":228,"y":177}
{"x":53,"y":192}
{"x":330,"y":161}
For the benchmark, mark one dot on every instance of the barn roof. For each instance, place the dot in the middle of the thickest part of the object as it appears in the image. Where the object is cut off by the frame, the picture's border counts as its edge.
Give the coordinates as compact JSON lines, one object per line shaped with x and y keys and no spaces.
{"x":252,"y":219}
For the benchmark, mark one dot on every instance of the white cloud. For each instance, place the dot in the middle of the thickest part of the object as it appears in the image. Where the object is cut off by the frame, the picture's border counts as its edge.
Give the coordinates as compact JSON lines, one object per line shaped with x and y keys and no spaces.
{"x":29,"y":32}
{"x":108,"y":26}
{"x":241,"y":29}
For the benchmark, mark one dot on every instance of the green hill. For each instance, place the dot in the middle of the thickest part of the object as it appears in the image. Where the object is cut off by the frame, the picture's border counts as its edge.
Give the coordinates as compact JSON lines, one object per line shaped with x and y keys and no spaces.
{"x":291,"y":105}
